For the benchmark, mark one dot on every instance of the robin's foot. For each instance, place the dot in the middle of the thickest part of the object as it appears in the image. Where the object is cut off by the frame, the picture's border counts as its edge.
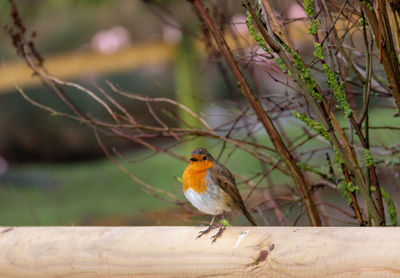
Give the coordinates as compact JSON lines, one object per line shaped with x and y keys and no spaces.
{"x":218,"y":234}
{"x":206,"y":231}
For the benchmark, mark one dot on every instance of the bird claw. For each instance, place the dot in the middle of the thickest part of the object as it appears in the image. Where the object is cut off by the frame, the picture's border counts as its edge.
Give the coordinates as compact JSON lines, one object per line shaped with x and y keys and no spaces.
{"x":206,"y":231}
{"x":218,"y":234}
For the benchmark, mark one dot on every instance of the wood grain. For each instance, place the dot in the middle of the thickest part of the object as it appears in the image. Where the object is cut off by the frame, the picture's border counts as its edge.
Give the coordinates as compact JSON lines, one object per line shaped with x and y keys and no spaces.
{"x":174,"y":252}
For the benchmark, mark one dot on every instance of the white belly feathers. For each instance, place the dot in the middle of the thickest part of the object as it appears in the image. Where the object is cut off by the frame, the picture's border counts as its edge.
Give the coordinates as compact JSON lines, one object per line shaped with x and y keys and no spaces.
{"x":212,"y":201}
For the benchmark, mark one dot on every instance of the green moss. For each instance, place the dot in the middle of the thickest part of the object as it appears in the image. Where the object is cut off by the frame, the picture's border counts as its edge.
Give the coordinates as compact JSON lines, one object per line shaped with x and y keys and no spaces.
{"x":346,"y":188}
{"x":305,"y":73}
{"x":263,"y":45}
{"x":390,"y":207}
{"x":304,"y":167}
{"x":316,"y":126}
{"x":257,"y":37}
{"x":309,"y":7}
{"x":318,"y":52}
{"x":338,"y":158}
{"x":342,"y":188}
{"x":313,"y":28}
{"x":351,"y":187}
{"x":369,"y":161}
{"x":338,"y":91}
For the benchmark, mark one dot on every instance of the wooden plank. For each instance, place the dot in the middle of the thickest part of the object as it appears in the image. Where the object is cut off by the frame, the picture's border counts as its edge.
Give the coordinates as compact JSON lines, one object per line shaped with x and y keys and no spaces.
{"x":174,"y":251}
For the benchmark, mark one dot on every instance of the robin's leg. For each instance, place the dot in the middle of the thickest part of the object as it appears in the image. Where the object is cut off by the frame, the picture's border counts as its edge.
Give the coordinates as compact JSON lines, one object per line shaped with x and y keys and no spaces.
{"x":208,"y":229}
{"x":222,"y":227}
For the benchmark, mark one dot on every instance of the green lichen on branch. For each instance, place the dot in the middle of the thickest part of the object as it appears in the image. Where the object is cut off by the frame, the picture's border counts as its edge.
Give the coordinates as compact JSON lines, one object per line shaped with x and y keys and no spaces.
{"x":279,"y":62}
{"x":390,"y":207}
{"x":309,"y":10}
{"x":305,"y":73}
{"x":342,"y":188}
{"x":338,"y":158}
{"x":351,"y":187}
{"x":345,"y":188}
{"x":309,"y":7}
{"x":313,"y":28}
{"x":257,"y":37}
{"x":318,"y":52}
{"x":305,"y":167}
{"x":338,"y":91}
{"x":316,"y":126}
{"x":369,"y":161}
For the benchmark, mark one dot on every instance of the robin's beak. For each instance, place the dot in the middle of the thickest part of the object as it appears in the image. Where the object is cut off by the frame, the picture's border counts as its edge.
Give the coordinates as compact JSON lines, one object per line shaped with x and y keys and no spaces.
{"x":197,"y":157}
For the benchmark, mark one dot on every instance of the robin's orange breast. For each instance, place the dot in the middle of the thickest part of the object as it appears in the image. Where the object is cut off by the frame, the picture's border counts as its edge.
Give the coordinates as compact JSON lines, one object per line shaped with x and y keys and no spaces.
{"x":194,"y":176}
{"x":194,"y":180}
{"x":204,"y":194}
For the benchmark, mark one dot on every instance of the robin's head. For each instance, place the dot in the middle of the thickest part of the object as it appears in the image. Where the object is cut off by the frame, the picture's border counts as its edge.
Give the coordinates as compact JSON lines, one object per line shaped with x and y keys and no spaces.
{"x":201,"y":159}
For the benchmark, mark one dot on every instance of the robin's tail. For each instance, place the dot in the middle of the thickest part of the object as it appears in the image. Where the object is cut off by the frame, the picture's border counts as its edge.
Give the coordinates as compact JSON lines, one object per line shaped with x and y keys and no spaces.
{"x":247,"y":215}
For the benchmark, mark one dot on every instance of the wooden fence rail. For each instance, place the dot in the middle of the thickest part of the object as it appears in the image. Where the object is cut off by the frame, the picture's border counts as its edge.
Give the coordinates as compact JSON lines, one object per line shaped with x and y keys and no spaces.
{"x":174,"y":252}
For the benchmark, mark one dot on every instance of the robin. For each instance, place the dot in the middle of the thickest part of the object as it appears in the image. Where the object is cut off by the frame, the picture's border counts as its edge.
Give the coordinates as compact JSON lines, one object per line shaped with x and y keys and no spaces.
{"x":211,"y":188}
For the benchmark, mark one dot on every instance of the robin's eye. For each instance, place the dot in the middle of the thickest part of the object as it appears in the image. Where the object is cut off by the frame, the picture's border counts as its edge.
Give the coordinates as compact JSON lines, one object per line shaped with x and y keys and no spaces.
{"x":193,"y":159}
{"x":204,"y":157}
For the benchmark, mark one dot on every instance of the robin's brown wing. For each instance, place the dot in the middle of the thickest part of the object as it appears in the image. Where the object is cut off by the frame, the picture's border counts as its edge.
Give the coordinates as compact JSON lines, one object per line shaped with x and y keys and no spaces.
{"x":225,"y":179}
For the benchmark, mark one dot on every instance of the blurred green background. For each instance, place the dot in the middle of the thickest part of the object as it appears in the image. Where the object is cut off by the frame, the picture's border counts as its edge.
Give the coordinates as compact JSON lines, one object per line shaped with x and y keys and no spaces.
{"x":52,"y":171}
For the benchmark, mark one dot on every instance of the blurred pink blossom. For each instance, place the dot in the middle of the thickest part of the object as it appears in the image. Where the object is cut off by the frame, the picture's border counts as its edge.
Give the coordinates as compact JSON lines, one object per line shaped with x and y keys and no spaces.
{"x":111,"y":40}
{"x":296,"y":11}
{"x":171,"y":34}
{"x":238,"y":24}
